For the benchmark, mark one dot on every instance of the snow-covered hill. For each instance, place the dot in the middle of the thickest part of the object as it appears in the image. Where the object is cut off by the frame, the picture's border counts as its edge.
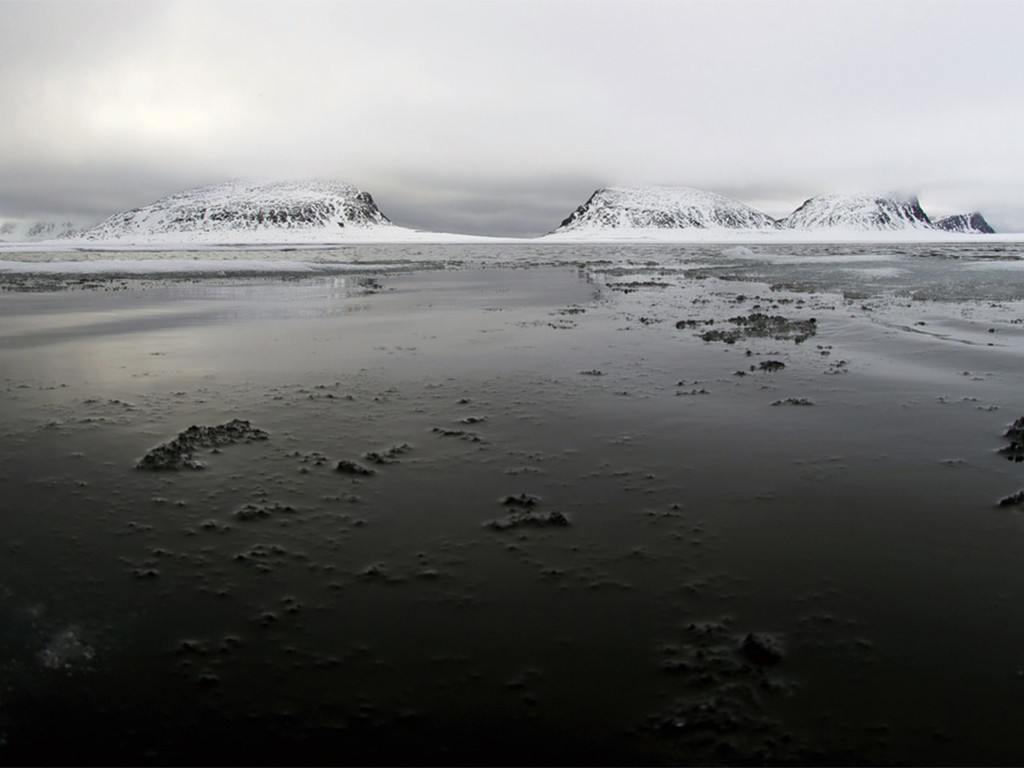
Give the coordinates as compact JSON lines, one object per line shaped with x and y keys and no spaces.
{"x":245,"y":212}
{"x":330,"y":212}
{"x":662,"y":208}
{"x":682,"y":214}
{"x":967,"y":223}
{"x":859,"y":213}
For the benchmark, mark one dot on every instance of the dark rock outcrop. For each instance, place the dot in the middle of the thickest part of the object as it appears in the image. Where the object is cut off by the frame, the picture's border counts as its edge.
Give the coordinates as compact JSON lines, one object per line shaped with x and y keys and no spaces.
{"x":968,"y":223}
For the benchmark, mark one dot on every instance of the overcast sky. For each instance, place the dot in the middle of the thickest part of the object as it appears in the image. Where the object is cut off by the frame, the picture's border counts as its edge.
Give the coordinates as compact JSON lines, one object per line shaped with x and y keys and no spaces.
{"x":500,"y":117}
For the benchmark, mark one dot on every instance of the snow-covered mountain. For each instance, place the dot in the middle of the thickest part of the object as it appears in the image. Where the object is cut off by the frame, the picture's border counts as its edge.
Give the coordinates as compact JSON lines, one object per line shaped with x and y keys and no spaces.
{"x":677,"y":213}
{"x":32,"y":231}
{"x":966,"y":223}
{"x":326,"y":212}
{"x":246,"y":212}
{"x":859,"y":213}
{"x":662,"y":208}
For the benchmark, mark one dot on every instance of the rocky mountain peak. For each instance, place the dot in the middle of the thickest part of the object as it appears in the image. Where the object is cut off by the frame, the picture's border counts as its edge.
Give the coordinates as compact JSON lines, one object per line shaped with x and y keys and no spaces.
{"x":663,"y":208}
{"x":967,"y":223}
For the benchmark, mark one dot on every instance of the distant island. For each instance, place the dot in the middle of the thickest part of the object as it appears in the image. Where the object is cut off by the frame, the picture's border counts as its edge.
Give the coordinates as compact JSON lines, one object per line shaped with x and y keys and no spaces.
{"x":333,"y":212}
{"x":624,"y":209}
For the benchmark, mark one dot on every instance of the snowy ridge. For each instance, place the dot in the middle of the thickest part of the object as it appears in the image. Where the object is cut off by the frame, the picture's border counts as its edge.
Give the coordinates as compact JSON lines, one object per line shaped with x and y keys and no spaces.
{"x":967,"y":223}
{"x":672,"y":208}
{"x":243,"y":212}
{"x":864,"y":213}
{"x":673,"y":214}
{"x":322,"y":213}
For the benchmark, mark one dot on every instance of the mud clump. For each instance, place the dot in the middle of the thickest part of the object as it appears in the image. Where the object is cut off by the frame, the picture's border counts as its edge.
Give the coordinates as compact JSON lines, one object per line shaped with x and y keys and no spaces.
{"x":771,"y":366}
{"x":390,"y":456}
{"x":693,"y":323}
{"x":257,"y":512}
{"x":727,"y":336}
{"x":179,"y":452}
{"x":1015,"y":434}
{"x":375,"y":572}
{"x":348,"y":467}
{"x":524,"y":518}
{"x":65,"y":650}
{"x":1016,"y":500}
{"x":761,"y":649}
{"x":522,"y":500}
{"x":762,"y":326}
{"x":462,"y":434}
{"x":722,"y":695}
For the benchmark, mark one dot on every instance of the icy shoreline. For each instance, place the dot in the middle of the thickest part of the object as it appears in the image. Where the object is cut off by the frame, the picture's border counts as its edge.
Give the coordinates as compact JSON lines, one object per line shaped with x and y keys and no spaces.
{"x":995,"y":251}
{"x":21,"y":251}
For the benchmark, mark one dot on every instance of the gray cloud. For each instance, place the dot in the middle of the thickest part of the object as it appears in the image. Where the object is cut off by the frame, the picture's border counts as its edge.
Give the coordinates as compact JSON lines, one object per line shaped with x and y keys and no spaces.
{"x":90,"y":192}
{"x":500,"y":117}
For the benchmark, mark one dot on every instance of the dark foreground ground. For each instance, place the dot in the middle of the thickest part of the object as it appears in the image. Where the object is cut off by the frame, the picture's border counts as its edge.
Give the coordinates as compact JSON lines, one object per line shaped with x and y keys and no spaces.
{"x":600,"y":528}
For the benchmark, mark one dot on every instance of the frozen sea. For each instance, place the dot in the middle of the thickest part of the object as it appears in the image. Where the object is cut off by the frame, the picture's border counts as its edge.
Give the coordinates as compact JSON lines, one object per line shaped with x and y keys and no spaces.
{"x":623,"y":504}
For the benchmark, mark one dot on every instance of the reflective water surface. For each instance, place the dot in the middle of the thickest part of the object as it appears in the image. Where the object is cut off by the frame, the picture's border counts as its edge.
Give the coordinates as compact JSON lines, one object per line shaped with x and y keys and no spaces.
{"x":594,"y":532}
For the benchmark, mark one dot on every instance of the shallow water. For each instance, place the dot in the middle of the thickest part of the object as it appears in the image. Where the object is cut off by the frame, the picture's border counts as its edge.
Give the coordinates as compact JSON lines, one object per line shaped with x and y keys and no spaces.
{"x":965,"y":271}
{"x":379,"y":619}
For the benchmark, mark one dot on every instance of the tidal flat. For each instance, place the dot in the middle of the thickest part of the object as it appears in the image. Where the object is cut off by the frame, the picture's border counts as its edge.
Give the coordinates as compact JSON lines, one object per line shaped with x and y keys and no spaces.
{"x":628,"y":511}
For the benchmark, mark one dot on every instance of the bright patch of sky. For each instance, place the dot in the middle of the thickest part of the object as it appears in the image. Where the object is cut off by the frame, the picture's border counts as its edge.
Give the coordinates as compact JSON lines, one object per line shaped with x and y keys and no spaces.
{"x":500,"y":117}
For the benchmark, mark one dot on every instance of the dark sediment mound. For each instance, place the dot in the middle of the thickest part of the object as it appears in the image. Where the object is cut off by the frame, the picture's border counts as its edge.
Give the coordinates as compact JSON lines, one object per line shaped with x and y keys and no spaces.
{"x":522,"y":500}
{"x":348,"y":467}
{"x":1015,"y":434}
{"x":761,"y":649}
{"x":719,"y":699}
{"x":528,"y":519}
{"x":525,"y":516}
{"x":258,"y":512}
{"x":390,"y":456}
{"x":462,"y":434}
{"x":1016,"y":500}
{"x":759,"y":325}
{"x":178,"y":453}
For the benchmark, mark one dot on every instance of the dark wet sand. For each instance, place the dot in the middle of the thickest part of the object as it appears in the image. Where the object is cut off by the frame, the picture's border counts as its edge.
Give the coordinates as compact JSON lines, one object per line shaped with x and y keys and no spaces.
{"x":803,"y":564}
